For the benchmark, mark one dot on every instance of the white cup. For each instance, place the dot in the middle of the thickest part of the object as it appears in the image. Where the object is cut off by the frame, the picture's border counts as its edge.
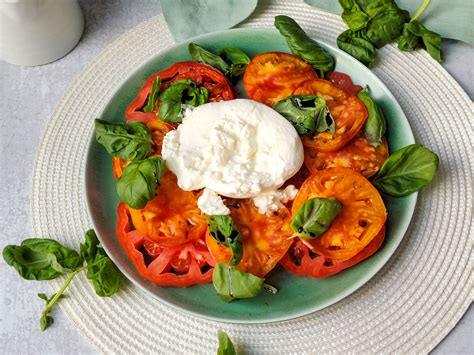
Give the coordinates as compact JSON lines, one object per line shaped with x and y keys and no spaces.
{"x":35,"y":32}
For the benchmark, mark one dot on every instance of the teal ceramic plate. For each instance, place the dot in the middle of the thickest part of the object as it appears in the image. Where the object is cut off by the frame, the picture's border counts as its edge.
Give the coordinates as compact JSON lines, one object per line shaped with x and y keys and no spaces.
{"x":297,"y":295}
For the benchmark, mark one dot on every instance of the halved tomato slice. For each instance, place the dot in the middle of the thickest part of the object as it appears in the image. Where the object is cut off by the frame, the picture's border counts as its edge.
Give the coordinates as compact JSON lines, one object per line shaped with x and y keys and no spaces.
{"x":357,"y":155}
{"x":186,"y":265}
{"x":348,"y":111}
{"x":265,"y":238}
{"x":361,"y":218}
{"x":299,"y":259}
{"x":272,"y":76}
{"x":172,"y":218}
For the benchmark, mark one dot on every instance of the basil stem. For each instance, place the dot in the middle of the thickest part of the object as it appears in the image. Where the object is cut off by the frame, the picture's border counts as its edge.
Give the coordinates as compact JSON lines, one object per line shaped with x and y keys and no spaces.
{"x":153,"y":97}
{"x":224,"y":231}
{"x":315,"y":216}
{"x":375,"y":126}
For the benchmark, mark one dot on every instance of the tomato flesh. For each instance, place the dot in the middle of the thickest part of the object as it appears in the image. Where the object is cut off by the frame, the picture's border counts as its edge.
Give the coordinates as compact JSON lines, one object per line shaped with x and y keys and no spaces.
{"x":343,"y":81}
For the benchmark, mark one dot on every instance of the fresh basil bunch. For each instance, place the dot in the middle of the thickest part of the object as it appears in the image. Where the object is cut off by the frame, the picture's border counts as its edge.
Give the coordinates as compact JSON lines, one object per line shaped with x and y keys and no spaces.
{"x":415,"y":35}
{"x":46,"y":259}
{"x":375,"y":126}
{"x":354,"y":43}
{"x":223,"y":230}
{"x":307,"y":113}
{"x":303,"y":46}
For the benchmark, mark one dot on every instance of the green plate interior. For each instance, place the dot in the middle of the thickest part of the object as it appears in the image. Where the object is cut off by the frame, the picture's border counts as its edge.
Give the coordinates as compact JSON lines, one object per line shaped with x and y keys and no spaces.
{"x":297,"y":295}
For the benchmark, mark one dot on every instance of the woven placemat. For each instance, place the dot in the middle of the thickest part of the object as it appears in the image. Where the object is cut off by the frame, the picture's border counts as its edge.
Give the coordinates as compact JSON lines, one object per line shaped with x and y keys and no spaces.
{"x":410,"y":305}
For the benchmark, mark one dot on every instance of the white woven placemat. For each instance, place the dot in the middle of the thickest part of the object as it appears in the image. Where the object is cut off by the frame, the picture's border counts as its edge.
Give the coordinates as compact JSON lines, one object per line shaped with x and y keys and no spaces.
{"x":410,"y":305}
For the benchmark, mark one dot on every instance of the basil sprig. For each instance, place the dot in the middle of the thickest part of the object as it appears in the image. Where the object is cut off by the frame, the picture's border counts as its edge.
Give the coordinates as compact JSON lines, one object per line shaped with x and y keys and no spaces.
{"x":354,"y":43}
{"x":375,"y":126}
{"x":179,"y":94}
{"x":153,"y":97}
{"x":137,"y":184}
{"x":225,"y":344}
{"x":407,"y":170}
{"x":315,"y":216}
{"x":46,"y":259}
{"x":303,"y":46}
{"x":307,"y":113}
{"x":223,"y":230}
{"x":129,"y":141}
{"x":415,"y":35}
{"x":231,"y":283}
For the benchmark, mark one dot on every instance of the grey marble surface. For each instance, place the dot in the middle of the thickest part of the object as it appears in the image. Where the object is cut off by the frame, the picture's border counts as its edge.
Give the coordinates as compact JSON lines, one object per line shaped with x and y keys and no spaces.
{"x":27,"y":99}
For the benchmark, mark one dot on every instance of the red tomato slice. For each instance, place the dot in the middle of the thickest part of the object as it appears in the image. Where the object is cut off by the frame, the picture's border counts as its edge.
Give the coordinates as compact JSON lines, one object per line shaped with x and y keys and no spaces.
{"x":357,"y":155}
{"x":186,"y":265}
{"x":272,"y":76}
{"x":301,"y":261}
{"x":265,"y":239}
{"x":213,"y":80}
{"x":172,"y":218}
{"x":343,"y":81}
{"x":361,"y":218}
{"x":348,"y":111}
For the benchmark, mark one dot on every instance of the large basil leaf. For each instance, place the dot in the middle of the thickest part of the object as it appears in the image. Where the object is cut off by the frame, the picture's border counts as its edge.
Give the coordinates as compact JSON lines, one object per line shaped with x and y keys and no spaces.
{"x":137,"y":184}
{"x":303,"y":46}
{"x":41,"y":259}
{"x":236,"y":58}
{"x":357,"y":46}
{"x":386,"y":26}
{"x":407,"y":170}
{"x":225,"y":344}
{"x":103,"y":273}
{"x":307,"y":113}
{"x":375,"y":126}
{"x":353,"y":15}
{"x":223,"y":230}
{"x":201,"y":55}
{"x":231,"y":283}
{"x":153,"y":97}
{"x":315,"y":216}
{"x":129,"y":141}
{"x":181,"y":92}
{"x":416,"y":35}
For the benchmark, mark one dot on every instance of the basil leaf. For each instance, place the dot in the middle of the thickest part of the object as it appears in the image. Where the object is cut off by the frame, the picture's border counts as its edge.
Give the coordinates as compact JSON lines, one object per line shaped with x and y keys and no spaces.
{"x":407,"y":170}
{"x":137,"y":184}
{"x":103,"y":273}
{"x":357,"y":46}
{"x":315,"y":216}
{"x":181,"y":92}
{"x":231,"y":283}
{"x":303,"y":46}
{"x":154,"y":94}
{"x":386,"y":26}
{"x":225,"y":344}
{"x":201,"y":55}
{"x":307,"y":113}
{"x":129,"y":141}
{"x":41,"y":259}
{"x":375,"y":126}
{"x":223,"y":230}
{"x":353,"y":15}
{"x":236,"y":58}
{"x":416,"y":35}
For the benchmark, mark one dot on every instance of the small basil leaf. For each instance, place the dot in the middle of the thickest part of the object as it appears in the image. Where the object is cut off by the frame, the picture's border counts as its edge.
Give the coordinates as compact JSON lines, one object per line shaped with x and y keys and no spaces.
{"x":357,"y":46}
{"x":231,"y":283}
{"x":315,"y":216}
{"x":41,"y":259}
{"x":353,"y":15}
{"x":43,"y":297}
{"x":303,"y":46}
{"x":386,"y":26}
{"x":154,"y":94}
{"x":224,"y":231}
{"x":104,"y":275}
{"x":137,"y":184}
{"x":236,"y":58}
{"x":225,"y":344}
{"x":129,"y":141}
{"x":201,"y":55}
{"x":407,"y":170}
{"x":307,"y":113}
{"x":416,"y":35}
{"x":375,"y":126}
{"x":180,"y":93}
{"x":45,"y":322}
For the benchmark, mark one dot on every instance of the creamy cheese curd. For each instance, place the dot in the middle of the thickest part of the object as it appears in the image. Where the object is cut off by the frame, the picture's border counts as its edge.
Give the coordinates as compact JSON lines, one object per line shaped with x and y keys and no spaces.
{"x":271,"y":201}
{"x":211,"y":203}
{"x":237,"y":148}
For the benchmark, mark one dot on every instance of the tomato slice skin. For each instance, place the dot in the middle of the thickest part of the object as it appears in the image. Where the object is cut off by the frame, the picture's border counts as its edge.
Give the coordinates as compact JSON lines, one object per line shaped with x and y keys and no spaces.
{"x":217,"y":84}
{"x":348,"y":111}
{"x":265,"y":239}
{"x":362,"y":216}
{"x":193,"y":262}
{"x":343,"y":81}
{"x":357,"y":155}
{"x":172,"y":218}
{"x":298,"y":260}
{"x":272,"y":76}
